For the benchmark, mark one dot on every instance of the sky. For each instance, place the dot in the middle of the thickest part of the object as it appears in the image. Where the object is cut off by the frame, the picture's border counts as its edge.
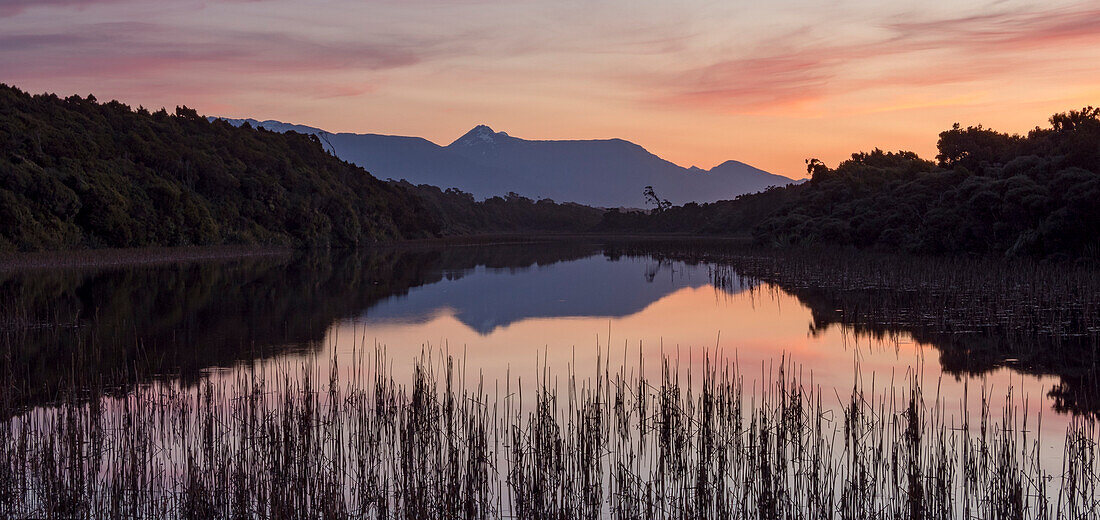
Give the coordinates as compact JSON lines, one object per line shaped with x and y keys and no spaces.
{"x":696,"y":82}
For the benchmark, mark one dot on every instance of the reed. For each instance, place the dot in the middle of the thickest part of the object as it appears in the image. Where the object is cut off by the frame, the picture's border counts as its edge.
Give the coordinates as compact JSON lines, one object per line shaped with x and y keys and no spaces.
{"x":293,"y":439}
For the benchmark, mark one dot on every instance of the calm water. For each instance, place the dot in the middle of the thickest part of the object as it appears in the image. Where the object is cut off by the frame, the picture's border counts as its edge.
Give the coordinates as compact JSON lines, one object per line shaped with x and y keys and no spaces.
{"x":507,"y":310}
{"x":512,"y":314}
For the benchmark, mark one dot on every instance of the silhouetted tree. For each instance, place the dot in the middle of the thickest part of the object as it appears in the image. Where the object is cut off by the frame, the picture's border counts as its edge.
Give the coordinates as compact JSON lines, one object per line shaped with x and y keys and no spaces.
{"x":815,"y":168}
{"x":652,"y":198}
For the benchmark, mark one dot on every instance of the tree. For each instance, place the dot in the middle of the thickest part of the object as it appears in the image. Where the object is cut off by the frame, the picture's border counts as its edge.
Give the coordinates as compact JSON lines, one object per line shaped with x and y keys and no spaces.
{"x":815,"y":168}
{"x":652,"y":198}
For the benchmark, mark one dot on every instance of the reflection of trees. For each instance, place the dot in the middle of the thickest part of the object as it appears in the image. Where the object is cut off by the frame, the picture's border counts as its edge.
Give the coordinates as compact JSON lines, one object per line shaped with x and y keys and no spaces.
{"x":968,"y":340}
{"x":179,"y":319}
{"x":653,"y":268}
{"x":968,"y":347}
{"x":980,"y":315}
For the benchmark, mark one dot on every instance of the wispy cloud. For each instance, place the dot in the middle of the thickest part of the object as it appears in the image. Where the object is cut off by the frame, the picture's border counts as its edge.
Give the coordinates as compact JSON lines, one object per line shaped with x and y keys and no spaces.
{"x":1008,"y":30}
{"x":753,"y":82}
{"x":145,"y":48}
{"x":14,"y":7}
{"x":908,"y":53}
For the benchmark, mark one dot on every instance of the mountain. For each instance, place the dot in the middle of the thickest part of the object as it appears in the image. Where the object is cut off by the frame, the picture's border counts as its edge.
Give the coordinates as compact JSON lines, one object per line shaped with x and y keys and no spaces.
{"x":603,"y":173}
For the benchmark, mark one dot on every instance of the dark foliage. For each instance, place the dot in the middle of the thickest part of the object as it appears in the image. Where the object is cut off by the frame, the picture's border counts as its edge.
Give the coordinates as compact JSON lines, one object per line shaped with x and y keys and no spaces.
{"x":460,"y":214}
{"x":988,"y":193}
{"x":77,"y":173}
{"x":731,"y":217}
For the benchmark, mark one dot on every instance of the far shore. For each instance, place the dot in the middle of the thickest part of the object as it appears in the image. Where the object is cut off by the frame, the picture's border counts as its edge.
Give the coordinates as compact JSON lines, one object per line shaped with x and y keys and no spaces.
{"x":96,"y":258}
{"x":127,"y":257}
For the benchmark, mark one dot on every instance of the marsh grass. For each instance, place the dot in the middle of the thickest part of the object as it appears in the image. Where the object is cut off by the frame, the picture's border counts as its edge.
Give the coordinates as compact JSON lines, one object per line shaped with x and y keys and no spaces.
{"x":288,"y":439}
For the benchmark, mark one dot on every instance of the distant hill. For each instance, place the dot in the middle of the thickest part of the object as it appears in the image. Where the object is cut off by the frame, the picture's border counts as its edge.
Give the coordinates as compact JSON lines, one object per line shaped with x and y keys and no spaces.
{"x":603,"y":173}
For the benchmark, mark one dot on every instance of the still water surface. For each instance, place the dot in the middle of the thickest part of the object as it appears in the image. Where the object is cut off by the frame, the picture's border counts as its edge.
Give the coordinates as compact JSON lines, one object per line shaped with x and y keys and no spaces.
{"x":183,"y":342}
{"x":510,"y":311}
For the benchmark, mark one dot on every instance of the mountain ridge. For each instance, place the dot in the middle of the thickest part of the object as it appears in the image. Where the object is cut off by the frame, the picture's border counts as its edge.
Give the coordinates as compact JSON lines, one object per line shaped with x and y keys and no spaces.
{"x":484,"y":162}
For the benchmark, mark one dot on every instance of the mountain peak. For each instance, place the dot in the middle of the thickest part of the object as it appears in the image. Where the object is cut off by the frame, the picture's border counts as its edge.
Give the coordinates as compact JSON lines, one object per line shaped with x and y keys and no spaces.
{"x":730,"y":164}
{"x":478,"y":135}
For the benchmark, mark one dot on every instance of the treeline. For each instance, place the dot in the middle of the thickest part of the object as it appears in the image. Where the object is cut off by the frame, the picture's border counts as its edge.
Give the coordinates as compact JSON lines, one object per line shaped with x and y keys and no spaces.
{"x":987,"y":193}
{"x":458,"y":213}
{"x":76,"y":173}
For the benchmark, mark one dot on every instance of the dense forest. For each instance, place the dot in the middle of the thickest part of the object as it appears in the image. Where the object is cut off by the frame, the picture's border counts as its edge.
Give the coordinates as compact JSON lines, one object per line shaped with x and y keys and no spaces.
{"x":986,"y":193}
{"x":76,"y":173}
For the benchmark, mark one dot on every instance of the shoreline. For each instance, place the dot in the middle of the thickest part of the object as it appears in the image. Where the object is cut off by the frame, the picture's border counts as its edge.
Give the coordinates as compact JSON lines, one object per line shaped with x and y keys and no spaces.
{"x":128,"y":257}
{"x":138,"y":256}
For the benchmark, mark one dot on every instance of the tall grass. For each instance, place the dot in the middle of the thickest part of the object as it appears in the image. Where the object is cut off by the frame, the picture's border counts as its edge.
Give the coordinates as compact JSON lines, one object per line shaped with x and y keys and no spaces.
{"x":292,"y":440}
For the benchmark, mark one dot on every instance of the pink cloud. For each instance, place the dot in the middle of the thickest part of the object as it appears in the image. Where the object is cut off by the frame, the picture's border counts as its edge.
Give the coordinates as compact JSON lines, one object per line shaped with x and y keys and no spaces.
{"x":142,"y":49}
{"x":14,"y":7}
{"x":755,"y":82}
{"x":1011,"y":30}
{"x":970,"y":48}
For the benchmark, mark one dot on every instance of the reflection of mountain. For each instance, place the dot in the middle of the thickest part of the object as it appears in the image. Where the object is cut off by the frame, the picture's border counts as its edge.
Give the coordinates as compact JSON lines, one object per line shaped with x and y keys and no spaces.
{"x":182,"y":318}
{"x":595,"y":286}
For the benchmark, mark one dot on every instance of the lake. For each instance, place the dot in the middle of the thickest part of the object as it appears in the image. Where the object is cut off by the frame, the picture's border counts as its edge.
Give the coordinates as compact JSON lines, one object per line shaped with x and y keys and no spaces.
{"x":573,"y":318}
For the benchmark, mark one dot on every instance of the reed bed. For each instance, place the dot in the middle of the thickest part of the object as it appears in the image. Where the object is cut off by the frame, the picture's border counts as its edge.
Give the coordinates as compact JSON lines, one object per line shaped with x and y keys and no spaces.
{"x":293,"y":439}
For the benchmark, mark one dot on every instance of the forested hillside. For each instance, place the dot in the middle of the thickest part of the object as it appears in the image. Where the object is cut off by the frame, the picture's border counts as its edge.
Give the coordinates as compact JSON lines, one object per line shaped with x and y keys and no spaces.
{"x":986,"y":193}
{"x":77,"y":173}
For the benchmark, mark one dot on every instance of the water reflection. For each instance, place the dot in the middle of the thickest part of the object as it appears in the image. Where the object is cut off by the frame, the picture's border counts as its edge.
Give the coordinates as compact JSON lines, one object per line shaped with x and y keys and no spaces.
{"x":486,"y":299}
{"x":106,"y":325}
{"x":503,"y":306}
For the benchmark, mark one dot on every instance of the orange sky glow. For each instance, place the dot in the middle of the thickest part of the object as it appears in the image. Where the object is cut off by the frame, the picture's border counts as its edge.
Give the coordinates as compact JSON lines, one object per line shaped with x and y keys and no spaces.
{"x":696,"y":82}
